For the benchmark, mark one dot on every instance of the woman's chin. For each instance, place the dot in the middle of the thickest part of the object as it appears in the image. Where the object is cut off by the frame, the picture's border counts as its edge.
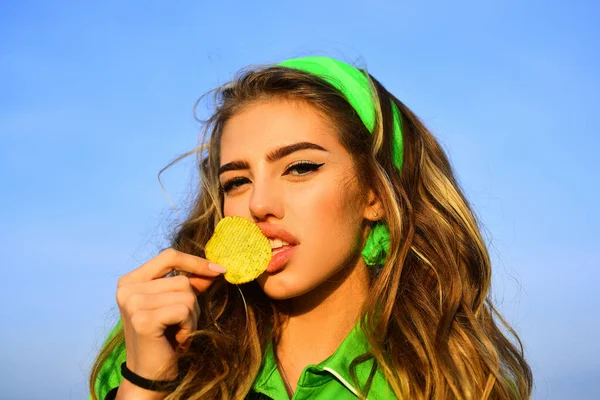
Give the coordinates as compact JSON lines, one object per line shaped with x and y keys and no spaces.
{"x":280,"y":286}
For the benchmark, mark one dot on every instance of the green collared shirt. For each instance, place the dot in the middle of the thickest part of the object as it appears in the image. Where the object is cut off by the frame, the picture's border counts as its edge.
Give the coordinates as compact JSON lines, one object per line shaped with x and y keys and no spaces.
{"x":330,"y":379}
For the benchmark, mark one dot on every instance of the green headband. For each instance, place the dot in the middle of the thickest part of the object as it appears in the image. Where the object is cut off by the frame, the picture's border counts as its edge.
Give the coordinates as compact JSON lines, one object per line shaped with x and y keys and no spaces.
{"x":355,"y":87}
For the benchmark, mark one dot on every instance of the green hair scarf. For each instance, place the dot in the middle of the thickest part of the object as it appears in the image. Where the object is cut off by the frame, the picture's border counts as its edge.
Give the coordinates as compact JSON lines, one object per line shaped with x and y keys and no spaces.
{"x":355,"y":86}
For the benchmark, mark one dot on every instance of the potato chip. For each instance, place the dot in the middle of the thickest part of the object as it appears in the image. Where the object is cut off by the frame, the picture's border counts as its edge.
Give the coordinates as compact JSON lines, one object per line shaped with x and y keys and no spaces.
{"x":240,"y":246}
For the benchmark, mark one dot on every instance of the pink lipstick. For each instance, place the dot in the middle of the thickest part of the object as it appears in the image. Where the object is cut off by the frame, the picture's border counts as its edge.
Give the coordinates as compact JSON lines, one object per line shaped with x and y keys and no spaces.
{"x":285,"y":243}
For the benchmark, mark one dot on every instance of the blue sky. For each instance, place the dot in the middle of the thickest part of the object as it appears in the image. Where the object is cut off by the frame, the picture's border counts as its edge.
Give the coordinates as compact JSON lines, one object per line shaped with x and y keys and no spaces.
{"x":97,"y":97}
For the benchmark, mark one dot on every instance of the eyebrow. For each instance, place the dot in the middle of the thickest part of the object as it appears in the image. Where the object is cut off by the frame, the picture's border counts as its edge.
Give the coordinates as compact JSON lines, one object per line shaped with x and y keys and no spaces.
{"x":273,"y":156}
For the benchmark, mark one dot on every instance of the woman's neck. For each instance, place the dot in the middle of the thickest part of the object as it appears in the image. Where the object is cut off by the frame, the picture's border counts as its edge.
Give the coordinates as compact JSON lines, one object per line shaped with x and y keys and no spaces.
{"x":321,"y":319}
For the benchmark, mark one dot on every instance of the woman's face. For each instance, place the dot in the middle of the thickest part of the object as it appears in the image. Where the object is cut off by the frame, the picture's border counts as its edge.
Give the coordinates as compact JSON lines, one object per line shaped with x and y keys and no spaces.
{"x":284,"y":168}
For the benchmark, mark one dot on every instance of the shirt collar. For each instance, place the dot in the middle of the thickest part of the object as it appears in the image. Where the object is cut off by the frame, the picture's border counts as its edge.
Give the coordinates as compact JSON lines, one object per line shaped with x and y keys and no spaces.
{"x":269,"y":381}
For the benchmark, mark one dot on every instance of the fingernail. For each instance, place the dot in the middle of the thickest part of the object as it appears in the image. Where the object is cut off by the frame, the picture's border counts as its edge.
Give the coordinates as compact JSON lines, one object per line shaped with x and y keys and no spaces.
{"x":216,"y":268}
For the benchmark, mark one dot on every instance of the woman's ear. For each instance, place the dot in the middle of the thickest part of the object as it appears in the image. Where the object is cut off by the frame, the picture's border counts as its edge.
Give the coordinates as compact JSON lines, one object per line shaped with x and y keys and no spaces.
{"x":374,"y":207}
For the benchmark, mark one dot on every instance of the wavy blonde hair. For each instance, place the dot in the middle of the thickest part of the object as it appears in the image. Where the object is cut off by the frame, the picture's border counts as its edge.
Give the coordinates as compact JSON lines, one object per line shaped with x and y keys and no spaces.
{"x":436,"y":334}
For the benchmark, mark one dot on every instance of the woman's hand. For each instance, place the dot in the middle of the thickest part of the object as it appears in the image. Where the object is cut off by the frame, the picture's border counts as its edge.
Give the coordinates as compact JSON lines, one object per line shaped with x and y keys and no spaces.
{"x":150,"y":302}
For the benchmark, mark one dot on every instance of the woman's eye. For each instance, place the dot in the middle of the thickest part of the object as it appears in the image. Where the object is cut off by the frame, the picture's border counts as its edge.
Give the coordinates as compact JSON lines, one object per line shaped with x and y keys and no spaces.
{"x":233,"y":184}
{"x":302,"y":168}
{"x":299,"y":168}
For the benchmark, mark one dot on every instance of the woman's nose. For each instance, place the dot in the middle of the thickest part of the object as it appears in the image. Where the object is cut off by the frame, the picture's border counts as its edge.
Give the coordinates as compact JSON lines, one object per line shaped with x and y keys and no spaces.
{"x":266,"y":201}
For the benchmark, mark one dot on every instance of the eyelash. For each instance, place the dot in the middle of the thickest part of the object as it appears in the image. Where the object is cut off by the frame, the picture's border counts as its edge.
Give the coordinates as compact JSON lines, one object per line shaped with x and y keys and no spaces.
{"x":307,"y":165}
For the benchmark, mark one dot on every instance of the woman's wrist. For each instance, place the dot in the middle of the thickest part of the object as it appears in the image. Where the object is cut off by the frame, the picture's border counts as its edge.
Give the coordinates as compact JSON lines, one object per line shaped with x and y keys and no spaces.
{"x":152,"y":371}
{"x":149,"y":384}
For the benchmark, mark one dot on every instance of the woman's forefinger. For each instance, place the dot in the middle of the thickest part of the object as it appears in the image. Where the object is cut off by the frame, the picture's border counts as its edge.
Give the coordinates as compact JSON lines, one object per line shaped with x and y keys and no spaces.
{"x":167,"y":261}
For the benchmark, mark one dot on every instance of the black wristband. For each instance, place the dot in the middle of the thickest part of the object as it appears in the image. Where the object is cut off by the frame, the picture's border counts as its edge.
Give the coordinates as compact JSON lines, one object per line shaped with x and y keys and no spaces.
{"x":155,"y":386}
{"x":112,"y":395}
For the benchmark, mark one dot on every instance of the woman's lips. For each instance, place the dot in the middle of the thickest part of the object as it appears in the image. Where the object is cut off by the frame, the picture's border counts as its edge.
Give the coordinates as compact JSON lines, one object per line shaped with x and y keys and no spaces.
{"x":280,"y":258}
{"x":274,"y":231}
{"x":281,"y":255}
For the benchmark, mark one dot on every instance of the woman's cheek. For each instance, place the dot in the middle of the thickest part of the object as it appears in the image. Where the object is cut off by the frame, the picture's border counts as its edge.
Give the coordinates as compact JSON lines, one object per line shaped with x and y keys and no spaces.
{"x":328,"y":227}
{"x":235,"y":205}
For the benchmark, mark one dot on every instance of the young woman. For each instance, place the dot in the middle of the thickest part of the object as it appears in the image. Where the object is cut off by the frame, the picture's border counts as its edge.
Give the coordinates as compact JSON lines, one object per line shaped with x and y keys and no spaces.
{"x":379,"y":283}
